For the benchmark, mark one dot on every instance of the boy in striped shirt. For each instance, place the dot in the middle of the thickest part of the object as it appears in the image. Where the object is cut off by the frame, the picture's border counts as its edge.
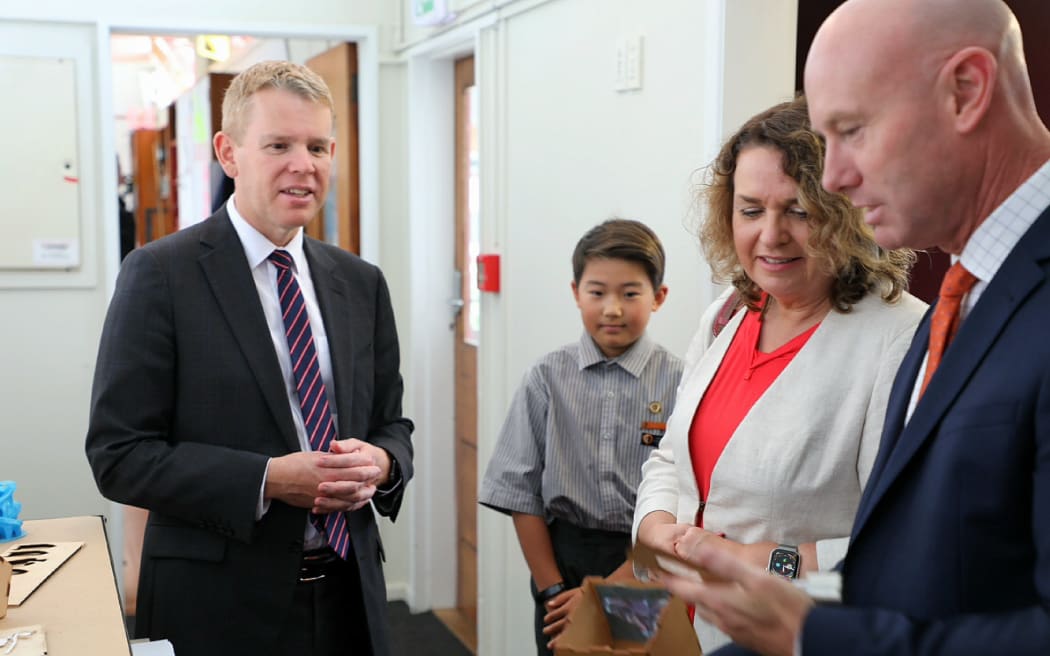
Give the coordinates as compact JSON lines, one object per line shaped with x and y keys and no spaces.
{"x":568,"y":461}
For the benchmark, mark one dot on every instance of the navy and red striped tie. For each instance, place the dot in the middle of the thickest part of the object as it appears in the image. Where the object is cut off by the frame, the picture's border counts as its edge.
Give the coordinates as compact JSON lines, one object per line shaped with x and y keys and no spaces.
{"x":310,"y":387}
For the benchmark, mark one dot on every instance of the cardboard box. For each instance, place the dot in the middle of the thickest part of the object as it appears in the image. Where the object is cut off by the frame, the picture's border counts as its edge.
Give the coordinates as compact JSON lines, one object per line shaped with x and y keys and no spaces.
{"x":627,"y":619}
{"x":5,"y":586}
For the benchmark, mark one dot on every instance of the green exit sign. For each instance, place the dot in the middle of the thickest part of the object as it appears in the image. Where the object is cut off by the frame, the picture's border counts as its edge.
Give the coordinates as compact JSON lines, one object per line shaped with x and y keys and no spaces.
{"x":431,"y":12}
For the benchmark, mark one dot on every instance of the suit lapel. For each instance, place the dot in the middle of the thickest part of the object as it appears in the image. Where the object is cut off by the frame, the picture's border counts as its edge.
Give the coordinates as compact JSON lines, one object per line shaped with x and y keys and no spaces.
{"x":897,"y":408}
{"x":1019,"y":275}
{"x":694,"y":386}
{"x":226,"y":269}
{"x":333,"y":296}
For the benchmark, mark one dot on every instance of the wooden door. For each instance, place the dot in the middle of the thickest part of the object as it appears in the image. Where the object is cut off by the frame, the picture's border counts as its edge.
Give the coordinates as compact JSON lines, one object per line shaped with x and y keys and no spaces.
{"x":220,"y":185}
{"x":169,"y":182}
{"x":146,"y":173}
{"x":466,"y":350}
{"x":339,"y":221}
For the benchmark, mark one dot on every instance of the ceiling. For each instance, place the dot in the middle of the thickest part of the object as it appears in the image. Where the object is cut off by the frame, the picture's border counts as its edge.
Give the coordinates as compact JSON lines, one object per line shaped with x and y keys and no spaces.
{"x":165,"y":66}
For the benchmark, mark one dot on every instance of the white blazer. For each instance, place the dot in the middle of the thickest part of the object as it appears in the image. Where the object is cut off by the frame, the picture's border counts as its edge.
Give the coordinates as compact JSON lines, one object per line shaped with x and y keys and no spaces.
{"x":794,"y":469}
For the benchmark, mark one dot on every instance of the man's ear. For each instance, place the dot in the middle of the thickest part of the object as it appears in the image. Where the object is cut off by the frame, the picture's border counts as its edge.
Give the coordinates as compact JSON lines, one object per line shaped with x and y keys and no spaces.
{"x":575,"y":292}
{"x":224,"y":152}
{"x":971,"y":75}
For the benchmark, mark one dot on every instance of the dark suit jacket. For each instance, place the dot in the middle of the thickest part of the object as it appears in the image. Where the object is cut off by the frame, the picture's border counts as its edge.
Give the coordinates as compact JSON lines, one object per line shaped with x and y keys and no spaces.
{"x":950,"y":552}
{"x":189,"y":403}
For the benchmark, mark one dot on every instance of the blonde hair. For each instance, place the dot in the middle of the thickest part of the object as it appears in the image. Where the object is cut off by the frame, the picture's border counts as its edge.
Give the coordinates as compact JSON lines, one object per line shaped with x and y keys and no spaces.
{"x":840,"y":239}
{"x":283,"y":75}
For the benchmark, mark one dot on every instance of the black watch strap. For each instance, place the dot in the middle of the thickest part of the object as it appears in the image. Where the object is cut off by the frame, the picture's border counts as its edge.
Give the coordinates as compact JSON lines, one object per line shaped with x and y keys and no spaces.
{"x":545,"y":595}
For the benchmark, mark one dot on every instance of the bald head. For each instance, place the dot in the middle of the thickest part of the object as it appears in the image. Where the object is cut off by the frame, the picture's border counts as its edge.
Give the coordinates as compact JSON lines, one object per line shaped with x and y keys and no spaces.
{"x":907,"y":43}
{"x":910,"y":40}
{"x":928,"y":114}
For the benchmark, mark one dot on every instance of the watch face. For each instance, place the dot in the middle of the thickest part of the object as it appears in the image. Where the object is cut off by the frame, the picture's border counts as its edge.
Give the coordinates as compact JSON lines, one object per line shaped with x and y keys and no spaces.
{"x":784,"y":562}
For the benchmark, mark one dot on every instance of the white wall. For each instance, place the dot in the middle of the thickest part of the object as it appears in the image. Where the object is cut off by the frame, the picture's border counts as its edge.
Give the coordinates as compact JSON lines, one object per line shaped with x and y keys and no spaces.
{"x":579,"y":152}
{"x":52,"y":320}
{"x":399,"y":538}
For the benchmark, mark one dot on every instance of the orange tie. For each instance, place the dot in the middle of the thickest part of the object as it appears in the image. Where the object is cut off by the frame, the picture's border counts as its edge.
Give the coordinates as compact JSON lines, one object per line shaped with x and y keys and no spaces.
{"x":945,"y":322}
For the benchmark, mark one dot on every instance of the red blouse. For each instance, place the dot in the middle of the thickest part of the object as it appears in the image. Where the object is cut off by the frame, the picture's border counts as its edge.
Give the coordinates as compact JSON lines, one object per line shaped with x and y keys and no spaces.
{"x":742,"y":378}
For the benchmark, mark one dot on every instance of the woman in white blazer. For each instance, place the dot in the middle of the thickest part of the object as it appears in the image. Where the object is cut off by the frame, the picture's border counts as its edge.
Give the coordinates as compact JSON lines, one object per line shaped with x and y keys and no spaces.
{"x":778,"y":417}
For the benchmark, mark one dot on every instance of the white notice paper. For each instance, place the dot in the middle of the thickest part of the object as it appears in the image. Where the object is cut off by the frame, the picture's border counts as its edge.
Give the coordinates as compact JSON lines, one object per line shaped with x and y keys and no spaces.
{"x":57,"y":253}
{"x":152,"y":648}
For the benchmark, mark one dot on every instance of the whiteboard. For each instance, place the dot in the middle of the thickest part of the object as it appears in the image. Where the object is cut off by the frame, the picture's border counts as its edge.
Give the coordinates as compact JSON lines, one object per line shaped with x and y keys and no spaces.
{"x":39,"y":171}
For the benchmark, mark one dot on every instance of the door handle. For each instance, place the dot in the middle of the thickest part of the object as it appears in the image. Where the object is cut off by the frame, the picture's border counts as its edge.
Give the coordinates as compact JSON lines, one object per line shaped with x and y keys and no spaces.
{"x":456,"y":302}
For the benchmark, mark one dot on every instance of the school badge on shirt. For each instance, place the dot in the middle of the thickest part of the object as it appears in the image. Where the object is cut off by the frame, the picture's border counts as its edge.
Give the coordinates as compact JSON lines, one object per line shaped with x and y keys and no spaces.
{"x":653,"y":431}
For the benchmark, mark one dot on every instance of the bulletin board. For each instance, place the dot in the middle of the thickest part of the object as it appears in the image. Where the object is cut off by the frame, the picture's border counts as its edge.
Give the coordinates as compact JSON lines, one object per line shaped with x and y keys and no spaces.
{"x":39,"y":170}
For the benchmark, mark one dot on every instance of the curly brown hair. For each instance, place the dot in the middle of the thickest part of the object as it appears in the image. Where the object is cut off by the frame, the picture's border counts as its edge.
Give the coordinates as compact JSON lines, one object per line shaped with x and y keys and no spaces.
{"x":840,"y":239}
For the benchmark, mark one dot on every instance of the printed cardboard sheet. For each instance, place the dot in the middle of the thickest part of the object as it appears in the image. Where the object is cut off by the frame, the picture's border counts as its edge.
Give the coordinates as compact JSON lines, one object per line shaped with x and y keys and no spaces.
{"x":32,"y":563}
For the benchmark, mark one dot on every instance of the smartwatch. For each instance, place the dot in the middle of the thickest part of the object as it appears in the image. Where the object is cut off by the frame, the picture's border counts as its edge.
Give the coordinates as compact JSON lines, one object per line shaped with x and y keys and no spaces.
{"x":785,"y":561}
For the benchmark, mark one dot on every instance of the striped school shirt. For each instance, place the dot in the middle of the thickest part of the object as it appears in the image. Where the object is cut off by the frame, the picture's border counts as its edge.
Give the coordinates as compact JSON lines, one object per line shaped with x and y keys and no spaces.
{"x":578,"y":430}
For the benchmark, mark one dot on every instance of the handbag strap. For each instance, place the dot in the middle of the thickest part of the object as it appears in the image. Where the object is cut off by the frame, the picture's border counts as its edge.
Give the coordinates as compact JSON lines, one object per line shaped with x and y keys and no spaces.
{"x":726,"y":312}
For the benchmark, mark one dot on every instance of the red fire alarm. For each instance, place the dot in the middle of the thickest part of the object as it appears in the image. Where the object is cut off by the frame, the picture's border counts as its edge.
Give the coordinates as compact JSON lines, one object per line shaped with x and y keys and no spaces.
{"x":488,"y":272}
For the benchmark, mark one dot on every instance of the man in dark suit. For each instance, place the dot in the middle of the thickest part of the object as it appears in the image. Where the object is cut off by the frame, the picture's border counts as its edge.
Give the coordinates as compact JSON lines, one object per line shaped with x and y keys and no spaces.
{"x":931,"y":127}
{"x":251,"y":401}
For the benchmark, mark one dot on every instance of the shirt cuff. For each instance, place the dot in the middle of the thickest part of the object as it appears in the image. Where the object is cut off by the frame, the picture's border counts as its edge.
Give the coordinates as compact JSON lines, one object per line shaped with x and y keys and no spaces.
{"x":263,"y":506}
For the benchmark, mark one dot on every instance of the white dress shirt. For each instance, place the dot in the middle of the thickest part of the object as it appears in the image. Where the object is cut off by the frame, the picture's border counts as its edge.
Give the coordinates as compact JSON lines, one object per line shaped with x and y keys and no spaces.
{"x":992,"y":242}
{"x":257,"y":249}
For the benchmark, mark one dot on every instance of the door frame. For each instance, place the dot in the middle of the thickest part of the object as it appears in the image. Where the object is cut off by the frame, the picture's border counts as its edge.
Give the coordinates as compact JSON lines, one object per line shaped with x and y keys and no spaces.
{"x":431,"y":250}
